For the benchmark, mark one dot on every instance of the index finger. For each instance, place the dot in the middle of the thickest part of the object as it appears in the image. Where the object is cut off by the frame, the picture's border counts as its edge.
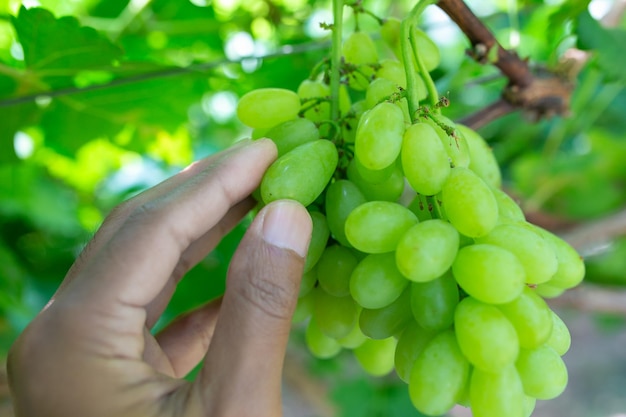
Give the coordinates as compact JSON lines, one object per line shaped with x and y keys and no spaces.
{"x":136,"y":262}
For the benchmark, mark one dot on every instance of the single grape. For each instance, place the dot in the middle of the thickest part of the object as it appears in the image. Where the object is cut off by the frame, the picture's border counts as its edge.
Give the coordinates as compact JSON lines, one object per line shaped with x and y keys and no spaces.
{"x":390,"y":33}
{"x":571,"y":268}
{"x":376,"y":281}
{"x":560,"y":338}
{"x":342,"y":197}
{"x":411,"y":343}
{"x":353,"y":339}
{"x":426,"y":251}
{"x":320,"y":345}
{"x":489,"y":273}
{"x":469,"y":203}
{"x":497,"y":394}
{"x":268,"y":107}
{"x":376,"y":356}
{"x":531,"y":317}
{"x":378,"y":226}
{"x":451,"y":138}
{"x":304,"y":308}
{"x":319,"y":238}
{"x":314,"y":89}
{"x":335,"y":316}
{"x":508,"y":210}
{"x":334,"y":270}
{"x":439,"y":375}
{"x":387,"y":321}
{"x":389,"y":190}
{"x":542,"y":371}
{"x":424,"y":159}
{"x":392,"y":70}
{"x":486,"y":337}
{"x":374,"y":176}
{"x":482,"y":160}
{"x":360,"y":51}
{"x":308,"y":281}
{"x":433,"y":303}
{"x":301,"y":174}
{"x":379,"y":136}
{"x":531,"y":249}
{"x":547,"y":290}
{"x":292,"y":133}
{"x":427,"y":50}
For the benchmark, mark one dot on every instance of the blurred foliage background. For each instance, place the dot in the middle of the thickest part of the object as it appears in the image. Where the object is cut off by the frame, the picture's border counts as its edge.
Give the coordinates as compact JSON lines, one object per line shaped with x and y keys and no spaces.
{"x":101,"y":99}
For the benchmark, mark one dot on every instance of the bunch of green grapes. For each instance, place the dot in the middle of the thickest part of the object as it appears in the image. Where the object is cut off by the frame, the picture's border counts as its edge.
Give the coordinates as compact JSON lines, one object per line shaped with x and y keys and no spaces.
{"x":418,"y":260}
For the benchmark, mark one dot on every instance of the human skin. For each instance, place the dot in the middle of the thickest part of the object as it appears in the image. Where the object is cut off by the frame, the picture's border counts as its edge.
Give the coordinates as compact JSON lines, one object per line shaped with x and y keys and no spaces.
{"x":91,"y":353}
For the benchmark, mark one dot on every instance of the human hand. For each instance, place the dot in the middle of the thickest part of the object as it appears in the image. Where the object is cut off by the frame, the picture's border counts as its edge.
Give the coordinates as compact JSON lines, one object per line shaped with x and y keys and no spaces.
{"x":90,"y":352}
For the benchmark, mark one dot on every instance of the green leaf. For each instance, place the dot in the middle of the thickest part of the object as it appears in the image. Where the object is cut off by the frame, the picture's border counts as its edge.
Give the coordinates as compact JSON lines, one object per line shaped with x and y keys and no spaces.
{"x":62,"y":45}
{"x":608,"y":45}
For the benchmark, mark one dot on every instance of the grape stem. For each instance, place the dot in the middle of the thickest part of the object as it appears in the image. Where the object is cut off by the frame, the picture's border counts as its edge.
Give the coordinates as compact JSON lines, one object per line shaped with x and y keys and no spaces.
{"x":335,"y":58}
{"x":408,"y":54}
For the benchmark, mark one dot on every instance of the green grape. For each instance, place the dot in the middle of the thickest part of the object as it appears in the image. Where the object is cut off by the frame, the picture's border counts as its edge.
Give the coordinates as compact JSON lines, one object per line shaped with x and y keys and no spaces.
{"x":424,"y":159}
{"x":530,"y":248}
{"x":353,"y":339}
{"x":531,"y":317}
{"x":334,"y":270}
{"x":451,"y":138}
{"x":359,"y":50}
{"x":549,"y":291}
{"x":301,"y":174}
{"x":376,"y":356}
{"x":342,"y":197}
{"x":374,"y":176}
{"x":377,"y":226}
{"x":482,"y":160}
{"x":292,"y":133}
{"x":320,"y":345}
{"x":259,"y":133}
{"x":389,"y":190}
{"x":560,"y":338}
{"x":427,"y":49}
{"x":382,"y":90}
{"x":486,"y":337}
{"x":392,"y":70}
{"x":304,"y":308}
{"x":469,"y":203}
{"x":433,"y":303}
{"x":268,"y":107}
{"x":411,"y":343}
{"x":345,"y":102}
{"x":571,"y":268}
{"x":426,"y":251}
{"x":439,"y":375}
{"x":313,"y":89}
{"x":319,"y":238}
{"x":542,"y":371}
{"x":529,"y":405}
{"x":497,"y":394}
{"x":508,"y":210}
{"x":376,"y":281}
{"x":421,"y":208}
{"x":348,"y":128}
{"x":308,"y":281}
{"x":387,"y":321}
{"x":379,"y":136}
{"x":489,"y":273}
{"x":335,"y":316}
{"x":390,"y":33}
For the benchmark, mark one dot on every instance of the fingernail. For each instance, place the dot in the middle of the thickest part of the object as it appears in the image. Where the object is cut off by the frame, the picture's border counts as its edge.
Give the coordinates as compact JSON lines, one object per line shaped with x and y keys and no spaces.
{"x":288,"y":225}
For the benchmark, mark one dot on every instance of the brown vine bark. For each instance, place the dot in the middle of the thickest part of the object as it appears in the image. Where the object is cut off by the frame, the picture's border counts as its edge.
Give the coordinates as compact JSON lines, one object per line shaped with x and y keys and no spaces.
{"x":538,"y":95}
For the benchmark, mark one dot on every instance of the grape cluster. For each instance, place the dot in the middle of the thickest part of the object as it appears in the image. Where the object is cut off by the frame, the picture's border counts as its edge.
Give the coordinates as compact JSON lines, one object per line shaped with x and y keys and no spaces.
{"x":418,"y":260}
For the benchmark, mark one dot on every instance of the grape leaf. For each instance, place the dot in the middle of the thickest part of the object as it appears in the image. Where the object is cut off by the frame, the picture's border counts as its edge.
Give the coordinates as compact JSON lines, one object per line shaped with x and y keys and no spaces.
{"x":607,"y":44}
{"x":62,"y":45}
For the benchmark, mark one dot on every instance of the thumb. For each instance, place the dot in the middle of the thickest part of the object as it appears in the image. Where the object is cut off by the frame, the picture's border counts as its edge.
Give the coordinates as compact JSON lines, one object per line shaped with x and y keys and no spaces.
{"x":243,"y":368}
